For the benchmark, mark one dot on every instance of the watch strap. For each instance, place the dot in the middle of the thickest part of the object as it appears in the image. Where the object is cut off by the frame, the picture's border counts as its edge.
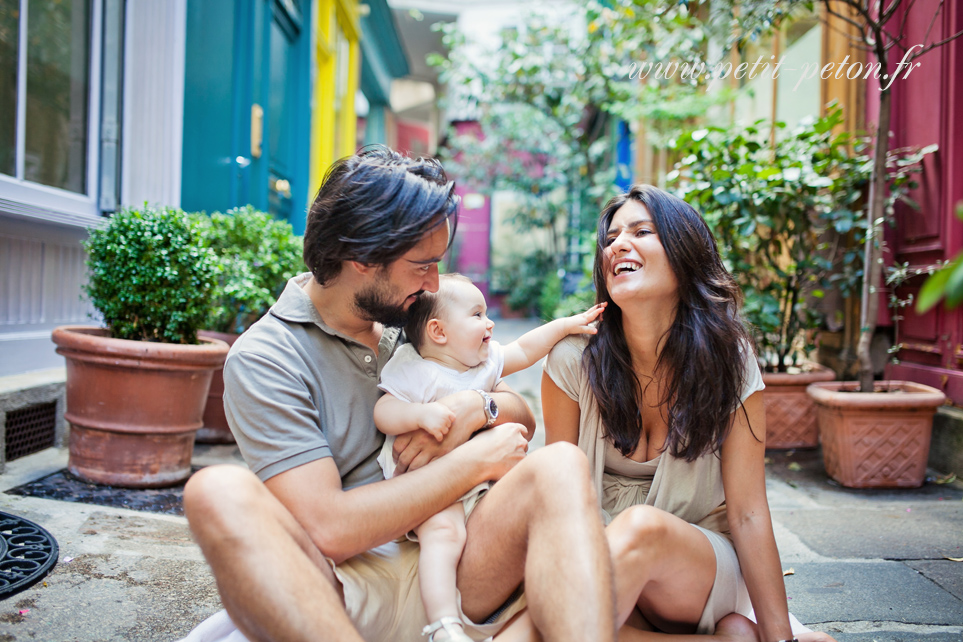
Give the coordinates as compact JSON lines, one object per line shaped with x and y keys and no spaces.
{"x":491,"y":412}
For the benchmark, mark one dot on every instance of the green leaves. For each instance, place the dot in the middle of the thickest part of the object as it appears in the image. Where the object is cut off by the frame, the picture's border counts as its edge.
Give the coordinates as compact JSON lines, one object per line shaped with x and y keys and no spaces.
{"x":947,"y":282}
{"x":150,"y":275}
{"x":770,"y":208}
{"x":160,"y":274}
{"x":256,"y":255}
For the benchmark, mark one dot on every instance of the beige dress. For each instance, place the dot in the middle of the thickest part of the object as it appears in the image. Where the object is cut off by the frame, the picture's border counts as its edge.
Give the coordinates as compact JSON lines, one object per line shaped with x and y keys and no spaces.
{"x":689,"y":490}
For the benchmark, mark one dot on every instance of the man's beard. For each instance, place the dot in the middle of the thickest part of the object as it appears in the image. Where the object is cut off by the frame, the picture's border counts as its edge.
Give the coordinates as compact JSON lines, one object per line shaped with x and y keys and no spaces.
{"x":375,"y":304}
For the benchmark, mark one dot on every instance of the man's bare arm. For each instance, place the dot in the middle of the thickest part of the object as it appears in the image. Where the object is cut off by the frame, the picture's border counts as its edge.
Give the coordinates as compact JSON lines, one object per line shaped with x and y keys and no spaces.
{"x":415,"y":449}
{"x":344,"y":523}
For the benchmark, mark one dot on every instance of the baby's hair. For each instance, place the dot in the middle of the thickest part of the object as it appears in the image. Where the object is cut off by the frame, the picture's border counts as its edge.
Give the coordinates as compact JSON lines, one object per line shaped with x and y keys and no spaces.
{"x":428,"y":306}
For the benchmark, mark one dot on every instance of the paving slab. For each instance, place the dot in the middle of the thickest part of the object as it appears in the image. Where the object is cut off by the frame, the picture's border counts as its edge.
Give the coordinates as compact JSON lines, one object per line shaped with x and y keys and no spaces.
{"x":122,"y":575}
{"x":945,"y":573}
{"x":869,"y":591}
{"x":884,"y":634}
{"x":880,"y":532}
{"x":804,"y":470}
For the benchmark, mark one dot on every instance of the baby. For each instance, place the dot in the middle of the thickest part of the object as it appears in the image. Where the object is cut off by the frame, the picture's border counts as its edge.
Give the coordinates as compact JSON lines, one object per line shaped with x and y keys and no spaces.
{"x":451,"y":350}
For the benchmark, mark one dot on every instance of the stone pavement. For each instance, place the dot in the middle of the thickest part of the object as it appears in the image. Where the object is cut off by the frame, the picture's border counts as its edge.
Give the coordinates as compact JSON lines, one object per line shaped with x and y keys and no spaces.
{"x":865,"y":565}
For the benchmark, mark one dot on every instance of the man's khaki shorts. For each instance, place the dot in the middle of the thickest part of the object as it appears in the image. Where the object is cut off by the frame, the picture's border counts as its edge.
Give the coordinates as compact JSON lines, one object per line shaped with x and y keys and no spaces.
{"x":382,"y":596}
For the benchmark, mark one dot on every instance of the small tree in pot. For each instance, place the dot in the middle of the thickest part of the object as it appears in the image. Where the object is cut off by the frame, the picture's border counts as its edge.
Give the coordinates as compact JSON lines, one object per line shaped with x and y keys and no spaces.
{"x":783,"y":212}
{"x":256,"y":255}
{"x":136,"y":389}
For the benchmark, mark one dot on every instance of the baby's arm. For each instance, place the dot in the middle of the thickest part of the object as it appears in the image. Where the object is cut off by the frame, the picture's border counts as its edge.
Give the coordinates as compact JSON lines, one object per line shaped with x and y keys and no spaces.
{"x":396,"y":417}
{"x":532,"y":346}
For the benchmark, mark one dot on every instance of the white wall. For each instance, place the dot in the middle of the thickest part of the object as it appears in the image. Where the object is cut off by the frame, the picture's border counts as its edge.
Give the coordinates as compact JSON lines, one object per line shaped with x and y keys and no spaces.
{"x":153,"y":125}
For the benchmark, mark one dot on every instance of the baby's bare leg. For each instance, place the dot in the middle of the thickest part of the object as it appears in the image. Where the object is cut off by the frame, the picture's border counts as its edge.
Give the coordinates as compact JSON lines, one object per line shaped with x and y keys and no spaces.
{"x":442,"y":539}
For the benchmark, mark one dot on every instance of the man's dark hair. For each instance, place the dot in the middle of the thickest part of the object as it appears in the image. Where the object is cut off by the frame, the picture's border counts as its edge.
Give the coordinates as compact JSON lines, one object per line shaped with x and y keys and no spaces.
{"x":374,"y":207}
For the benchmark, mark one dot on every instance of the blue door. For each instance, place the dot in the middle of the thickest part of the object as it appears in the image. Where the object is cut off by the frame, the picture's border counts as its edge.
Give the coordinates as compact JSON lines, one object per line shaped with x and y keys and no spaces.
{"x":280,"y":75}
{"x":247,"y":109}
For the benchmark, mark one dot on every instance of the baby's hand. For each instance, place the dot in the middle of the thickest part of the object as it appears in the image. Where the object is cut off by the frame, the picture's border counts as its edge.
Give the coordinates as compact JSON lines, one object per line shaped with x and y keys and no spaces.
{"x":579,"y":324}
{"x":436,"y":418}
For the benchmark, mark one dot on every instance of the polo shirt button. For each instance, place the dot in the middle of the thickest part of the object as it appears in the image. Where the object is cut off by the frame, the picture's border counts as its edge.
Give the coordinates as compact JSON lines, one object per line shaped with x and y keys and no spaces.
{"x":367,"y":358}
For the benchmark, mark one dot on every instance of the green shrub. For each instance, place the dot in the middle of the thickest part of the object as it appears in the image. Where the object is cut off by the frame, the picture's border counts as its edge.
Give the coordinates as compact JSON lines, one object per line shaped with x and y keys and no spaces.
{"x":787,"y":217}
{"x":257,"y":254}
{"x":579,"y":301}
{"x":151,"y":276}
{"x":527,"y":282}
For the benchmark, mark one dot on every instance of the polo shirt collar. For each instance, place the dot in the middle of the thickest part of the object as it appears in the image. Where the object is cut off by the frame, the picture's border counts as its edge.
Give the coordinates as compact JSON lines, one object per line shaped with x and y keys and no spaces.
{"x":295,"y":306}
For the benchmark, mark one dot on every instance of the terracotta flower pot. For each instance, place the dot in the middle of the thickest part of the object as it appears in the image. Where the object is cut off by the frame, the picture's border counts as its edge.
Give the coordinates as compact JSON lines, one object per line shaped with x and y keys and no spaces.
{"x":134,"y":406}
{"x":215,"y":429}
{"x":790,"y":414}
{"x":876,"y":439}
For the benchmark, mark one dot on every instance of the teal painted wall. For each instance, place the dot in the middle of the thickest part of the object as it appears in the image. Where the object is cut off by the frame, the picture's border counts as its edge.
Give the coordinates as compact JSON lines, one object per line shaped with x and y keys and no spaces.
{"x":208,"y":166}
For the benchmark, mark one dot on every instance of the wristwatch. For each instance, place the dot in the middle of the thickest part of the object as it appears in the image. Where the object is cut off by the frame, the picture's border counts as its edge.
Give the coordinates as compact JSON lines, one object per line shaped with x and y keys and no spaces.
{"x":491,"y":408}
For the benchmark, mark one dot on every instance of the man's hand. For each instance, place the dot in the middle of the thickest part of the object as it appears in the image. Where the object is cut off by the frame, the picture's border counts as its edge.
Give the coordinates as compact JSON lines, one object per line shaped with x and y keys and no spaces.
{"x":436,"y":419}
{"x":415,"y":449}
{"x":500,"y":448}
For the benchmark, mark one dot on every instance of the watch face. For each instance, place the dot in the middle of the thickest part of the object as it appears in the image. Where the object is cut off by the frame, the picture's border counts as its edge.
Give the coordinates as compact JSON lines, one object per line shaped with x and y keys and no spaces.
{"x":492,"y":408}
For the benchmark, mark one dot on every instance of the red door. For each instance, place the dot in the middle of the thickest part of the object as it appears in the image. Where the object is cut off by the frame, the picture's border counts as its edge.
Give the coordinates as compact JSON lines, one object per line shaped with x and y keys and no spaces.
{"x":927,"y":109}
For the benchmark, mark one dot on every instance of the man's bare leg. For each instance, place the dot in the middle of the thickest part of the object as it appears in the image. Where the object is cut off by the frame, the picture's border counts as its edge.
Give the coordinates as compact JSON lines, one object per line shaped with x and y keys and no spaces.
{"x":273,"y":581}
{"x":541,"y":523}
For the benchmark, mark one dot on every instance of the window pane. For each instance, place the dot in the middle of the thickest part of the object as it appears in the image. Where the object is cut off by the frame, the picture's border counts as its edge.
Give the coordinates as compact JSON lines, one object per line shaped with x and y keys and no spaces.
{"x":9,"y":42}
{"x":58,"y":54}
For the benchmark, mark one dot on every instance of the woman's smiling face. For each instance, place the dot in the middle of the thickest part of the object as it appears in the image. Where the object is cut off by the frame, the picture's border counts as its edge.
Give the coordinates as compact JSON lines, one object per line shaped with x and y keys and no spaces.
{"x":636,"y":266}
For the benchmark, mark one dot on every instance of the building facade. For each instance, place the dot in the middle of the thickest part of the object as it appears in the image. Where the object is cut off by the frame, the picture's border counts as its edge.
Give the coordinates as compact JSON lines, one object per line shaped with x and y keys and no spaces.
{"x":200,"y":104}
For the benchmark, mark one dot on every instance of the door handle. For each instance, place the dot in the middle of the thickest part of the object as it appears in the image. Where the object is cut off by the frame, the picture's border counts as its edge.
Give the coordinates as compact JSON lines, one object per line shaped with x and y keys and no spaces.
{"x":257,"y":130}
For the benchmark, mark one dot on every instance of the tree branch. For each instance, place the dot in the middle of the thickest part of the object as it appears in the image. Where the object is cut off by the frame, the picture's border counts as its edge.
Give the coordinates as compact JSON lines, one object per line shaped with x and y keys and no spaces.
{"x":894,"y":41}
{"x":902,"y":24}
{"x":886,"y":14}
{"x":859,"y":26}
{"x":935,"y":45}
{"x":939,"y":9}
{"x":858,"y":41}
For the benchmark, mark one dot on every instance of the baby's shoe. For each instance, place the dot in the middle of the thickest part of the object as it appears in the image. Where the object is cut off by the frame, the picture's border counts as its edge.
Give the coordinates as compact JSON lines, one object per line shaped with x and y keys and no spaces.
{"x":451,"y":627}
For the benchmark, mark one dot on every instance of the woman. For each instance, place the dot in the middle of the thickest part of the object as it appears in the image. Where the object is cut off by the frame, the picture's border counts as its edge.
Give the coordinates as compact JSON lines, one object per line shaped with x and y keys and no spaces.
{"x":666,"y":402}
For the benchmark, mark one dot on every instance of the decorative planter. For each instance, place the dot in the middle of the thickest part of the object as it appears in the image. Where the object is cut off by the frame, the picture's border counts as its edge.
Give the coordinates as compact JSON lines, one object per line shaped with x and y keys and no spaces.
{"x":134,"y":406}
{"x":215,"y":429}
{"x":879,"y":439}
{"x":790,"y":414}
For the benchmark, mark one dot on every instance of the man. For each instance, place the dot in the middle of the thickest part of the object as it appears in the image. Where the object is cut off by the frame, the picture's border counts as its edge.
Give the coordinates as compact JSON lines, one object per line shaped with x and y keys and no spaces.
{"x":304,"y":550}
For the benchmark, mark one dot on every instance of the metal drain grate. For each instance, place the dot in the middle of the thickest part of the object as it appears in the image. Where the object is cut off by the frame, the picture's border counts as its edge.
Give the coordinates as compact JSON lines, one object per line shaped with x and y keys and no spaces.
{"x":27,"y":553}
{"x":31,"y":429}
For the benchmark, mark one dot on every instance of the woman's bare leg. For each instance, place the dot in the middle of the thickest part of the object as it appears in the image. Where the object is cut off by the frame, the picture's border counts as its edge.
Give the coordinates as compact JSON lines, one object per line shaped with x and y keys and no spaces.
{"x":663,"y":565}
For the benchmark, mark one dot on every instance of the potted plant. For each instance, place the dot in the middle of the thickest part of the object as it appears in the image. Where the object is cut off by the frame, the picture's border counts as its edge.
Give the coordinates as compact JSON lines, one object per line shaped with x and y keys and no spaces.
{"x":877,"y":434}
{"x":774,"y":201}
{"x":256,"y":254}
{"x":136,"y":389}
{"x":882,"y":33}
{"x":874,"y":440}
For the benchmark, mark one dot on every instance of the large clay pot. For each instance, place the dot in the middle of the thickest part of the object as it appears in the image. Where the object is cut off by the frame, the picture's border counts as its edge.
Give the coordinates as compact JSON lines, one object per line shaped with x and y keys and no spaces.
{"x":790,"y":414}
{"x":134,"y":406}
{"x":876,"y":439}
{"x":215,"y":429}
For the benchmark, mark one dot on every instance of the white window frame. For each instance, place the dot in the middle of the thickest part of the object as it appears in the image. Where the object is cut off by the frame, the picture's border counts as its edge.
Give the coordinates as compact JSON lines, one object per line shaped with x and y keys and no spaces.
{"x":36,"y":201}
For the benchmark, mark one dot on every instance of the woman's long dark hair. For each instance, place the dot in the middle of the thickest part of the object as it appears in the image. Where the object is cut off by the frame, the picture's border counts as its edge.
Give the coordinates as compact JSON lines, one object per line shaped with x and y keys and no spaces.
{"x":702,"y":362}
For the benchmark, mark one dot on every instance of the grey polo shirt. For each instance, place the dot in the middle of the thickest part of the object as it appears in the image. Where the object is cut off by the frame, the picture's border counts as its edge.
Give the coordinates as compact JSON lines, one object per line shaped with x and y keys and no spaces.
{"x":296,"y":391}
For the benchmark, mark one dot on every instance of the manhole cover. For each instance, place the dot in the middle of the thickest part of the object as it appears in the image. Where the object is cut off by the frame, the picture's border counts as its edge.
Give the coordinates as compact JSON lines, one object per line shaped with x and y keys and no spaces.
{"x":27,"y":553}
